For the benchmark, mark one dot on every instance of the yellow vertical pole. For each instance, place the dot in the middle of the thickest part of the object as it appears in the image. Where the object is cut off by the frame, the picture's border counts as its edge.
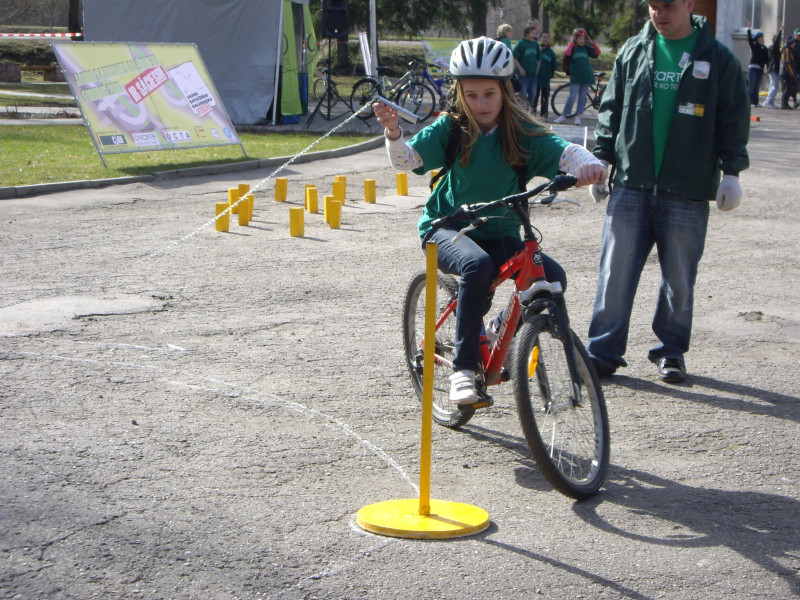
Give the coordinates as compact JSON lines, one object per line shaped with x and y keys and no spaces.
{"x":312,"y":204}
{"x":296,"y":223}
{"x":343,"y":179}
{"x":250,"y":199}
{"x":431,"y":271}
{"x":335,"y":218}
{"x":243,"y":189}
{"x":326,"y":208}
{"x":244,"y":213}
{"x":281,"y":186}
{"x":233,"y":198}
{"x":369,"y":191}
{"x":339,"y":190}
{"x":402,"y":184}
{"x":222,"y":223}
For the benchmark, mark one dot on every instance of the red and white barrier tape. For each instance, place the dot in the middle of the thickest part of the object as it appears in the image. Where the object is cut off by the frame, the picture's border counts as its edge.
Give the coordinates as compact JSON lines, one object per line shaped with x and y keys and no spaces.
{"x":71,"y":35}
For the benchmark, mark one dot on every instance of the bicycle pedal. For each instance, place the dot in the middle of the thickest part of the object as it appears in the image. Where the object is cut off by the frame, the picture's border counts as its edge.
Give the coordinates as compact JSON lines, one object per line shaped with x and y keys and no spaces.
{"x":484,"y":402}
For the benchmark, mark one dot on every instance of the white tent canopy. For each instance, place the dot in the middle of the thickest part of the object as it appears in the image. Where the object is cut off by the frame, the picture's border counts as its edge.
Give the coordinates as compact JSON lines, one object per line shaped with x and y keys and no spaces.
{"x":237,"y":39}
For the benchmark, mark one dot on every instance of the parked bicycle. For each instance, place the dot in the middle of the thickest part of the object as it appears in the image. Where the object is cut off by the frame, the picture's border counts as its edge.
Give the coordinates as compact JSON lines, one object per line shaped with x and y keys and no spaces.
{"x":439,"y":85}
{"x":407,"y":92}
{"x":593,"y":97}
{"x":559,"y":400}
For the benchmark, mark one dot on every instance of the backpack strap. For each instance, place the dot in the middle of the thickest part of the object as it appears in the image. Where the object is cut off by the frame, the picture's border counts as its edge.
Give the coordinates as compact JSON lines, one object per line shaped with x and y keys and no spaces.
{"x":451,"y":152}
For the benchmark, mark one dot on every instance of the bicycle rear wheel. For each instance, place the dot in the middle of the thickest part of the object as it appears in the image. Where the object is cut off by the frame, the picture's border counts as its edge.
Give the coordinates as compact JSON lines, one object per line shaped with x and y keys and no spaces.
{"x":417,"y":98}
{"x":559,"y":100}
{"x":569,"y":443}
{"x":445,"y":413}
{"x":364,"y":93}
{"x":320,"y":88}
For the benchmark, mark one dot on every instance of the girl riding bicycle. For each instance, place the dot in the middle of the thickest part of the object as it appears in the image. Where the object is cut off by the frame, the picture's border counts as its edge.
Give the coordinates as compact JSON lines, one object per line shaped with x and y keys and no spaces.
{"x":496,"y":138}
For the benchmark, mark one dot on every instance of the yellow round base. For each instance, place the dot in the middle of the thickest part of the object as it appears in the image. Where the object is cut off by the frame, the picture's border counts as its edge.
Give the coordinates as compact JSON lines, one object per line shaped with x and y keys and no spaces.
{"x":401,"y":518}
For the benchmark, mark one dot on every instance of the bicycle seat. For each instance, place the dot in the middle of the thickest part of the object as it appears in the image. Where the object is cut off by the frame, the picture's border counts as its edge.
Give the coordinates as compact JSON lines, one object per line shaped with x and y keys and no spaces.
{"x":381,"y":70}
{"x":599,"y":75}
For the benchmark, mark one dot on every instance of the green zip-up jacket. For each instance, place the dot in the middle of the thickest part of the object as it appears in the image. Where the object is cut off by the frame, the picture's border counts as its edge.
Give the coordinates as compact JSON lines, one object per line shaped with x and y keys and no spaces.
{"x":709,"y":130}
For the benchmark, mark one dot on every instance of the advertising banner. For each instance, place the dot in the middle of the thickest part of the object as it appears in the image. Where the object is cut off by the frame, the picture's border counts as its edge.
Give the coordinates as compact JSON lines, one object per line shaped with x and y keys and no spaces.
{"x":141,"y":97}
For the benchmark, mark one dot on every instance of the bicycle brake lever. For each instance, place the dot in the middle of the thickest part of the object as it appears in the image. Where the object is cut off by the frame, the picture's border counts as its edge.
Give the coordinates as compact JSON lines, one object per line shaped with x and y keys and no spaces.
{"x":471,"y":227}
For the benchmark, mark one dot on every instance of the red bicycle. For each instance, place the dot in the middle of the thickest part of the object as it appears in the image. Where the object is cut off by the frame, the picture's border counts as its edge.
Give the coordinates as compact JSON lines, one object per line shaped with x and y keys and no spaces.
{"x":559,"y":399}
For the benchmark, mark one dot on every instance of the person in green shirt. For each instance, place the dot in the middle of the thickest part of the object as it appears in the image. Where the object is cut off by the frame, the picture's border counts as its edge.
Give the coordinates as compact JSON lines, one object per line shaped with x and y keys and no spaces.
{"x":547,"y":68}
{"x":496,"y":137}
{"x":504,"y":32}
{"x":581,"y":75}
{"x":526,"y":56}
{"x":675,"y":115}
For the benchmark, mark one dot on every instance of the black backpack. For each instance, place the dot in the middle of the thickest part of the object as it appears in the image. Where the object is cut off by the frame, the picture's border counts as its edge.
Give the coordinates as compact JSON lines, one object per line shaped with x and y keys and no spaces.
{"x":452,"y":150}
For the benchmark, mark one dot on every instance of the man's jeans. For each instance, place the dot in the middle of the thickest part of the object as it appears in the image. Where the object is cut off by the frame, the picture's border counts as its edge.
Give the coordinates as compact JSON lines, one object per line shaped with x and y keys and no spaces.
{"x":773,"y":89}
{"x":477,"y":262}
{"x":529,"y":85}
{"x":635,"y":221}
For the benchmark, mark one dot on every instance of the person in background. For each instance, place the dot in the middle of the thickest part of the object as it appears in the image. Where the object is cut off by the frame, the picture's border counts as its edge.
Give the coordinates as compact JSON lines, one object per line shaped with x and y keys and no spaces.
{"x":774,"y":68}
{"x":547,"y":68}
{"x":789,"y":58}
{"x":759,"y":58}
{"x":526,"y":57}
{"x":500,"y":147}
{"x":578,"y":52}
{"x":504,"y":32}
{"x":669,"y":137}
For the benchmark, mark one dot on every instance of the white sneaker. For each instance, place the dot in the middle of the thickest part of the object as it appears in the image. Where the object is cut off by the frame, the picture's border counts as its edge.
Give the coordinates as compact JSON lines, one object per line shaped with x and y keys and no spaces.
{"x":560,"y":119}
{"x":577,"y":120}
{"x":462,"y":387}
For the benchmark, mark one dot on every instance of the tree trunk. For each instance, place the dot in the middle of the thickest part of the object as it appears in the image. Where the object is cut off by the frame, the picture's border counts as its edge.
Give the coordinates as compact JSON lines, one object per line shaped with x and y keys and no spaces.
{"x":535,"y":9}
{"x":480,"y":11}
{"x":74,"y":21}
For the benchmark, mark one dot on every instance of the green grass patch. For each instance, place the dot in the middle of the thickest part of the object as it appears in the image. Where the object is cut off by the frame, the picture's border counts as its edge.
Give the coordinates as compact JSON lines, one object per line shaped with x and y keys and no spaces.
{"x":35,"y":154}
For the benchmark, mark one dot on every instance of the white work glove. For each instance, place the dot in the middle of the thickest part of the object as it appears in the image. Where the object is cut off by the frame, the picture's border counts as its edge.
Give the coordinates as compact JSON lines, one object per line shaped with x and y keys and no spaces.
{"x":729,"y":193}
{"x":599,"y":190}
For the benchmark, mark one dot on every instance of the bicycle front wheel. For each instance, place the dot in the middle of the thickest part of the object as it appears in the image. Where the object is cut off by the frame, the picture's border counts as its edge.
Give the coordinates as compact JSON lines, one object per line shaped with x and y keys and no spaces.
{"x":569,"y":441}
{"x":364,"y":93}
{"x":417,"y":98}
{"x":445,"y":413}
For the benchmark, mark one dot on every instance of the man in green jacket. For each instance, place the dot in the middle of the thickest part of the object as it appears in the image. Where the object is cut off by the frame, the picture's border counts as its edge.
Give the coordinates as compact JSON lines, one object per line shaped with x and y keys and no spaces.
{"x":675,"y":114}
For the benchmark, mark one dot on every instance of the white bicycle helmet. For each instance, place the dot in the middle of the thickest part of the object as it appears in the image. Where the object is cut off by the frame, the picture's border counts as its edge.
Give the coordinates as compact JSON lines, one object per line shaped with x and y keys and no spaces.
{"x":482,"y":57}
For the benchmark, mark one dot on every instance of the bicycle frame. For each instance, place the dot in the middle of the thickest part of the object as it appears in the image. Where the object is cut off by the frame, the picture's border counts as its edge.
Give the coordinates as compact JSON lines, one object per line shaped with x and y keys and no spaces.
{"x":437,"y":84}
{"x":533,"y":293}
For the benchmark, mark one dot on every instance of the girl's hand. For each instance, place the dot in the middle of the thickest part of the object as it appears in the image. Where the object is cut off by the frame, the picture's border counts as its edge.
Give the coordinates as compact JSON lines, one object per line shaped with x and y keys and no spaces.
{"x":387,"y":116}
{"x":589,"y":173}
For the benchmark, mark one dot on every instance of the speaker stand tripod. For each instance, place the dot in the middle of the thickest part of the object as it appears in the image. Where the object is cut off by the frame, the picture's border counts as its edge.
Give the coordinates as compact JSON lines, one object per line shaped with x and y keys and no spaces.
{"x":330,"y":95}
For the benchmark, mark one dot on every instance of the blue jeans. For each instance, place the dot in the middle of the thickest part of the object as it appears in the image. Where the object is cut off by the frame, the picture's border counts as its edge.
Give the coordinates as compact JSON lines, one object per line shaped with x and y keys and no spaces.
{"x":773,"y":89}
{"x":754,"y":75}
{"x":477,"y":263}
{"x":636,"y":220}
{"x":529,"y":85}
{"x":577,"y":91}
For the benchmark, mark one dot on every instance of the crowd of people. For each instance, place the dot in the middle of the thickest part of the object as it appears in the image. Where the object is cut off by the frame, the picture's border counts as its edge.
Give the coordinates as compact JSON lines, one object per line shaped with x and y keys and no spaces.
{"x":535,"y":64}
{"x":781,"y":61}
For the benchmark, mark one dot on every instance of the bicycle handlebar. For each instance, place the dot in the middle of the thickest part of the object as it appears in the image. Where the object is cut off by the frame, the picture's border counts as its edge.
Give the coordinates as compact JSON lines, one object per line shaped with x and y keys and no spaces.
{"x":469,"y":212}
